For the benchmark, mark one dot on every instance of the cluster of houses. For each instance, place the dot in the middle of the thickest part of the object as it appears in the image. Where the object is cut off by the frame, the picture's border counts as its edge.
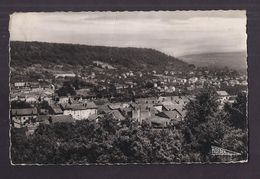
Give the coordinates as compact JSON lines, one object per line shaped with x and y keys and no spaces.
{"x":163,"y":81}
{"x":31,"y":92}
{"x":159,"y":112}
{"x":101,"y":76}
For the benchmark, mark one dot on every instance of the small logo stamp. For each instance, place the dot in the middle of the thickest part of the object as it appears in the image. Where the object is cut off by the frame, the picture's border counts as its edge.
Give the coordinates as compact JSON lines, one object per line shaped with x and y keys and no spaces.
{"x":220,"y":151}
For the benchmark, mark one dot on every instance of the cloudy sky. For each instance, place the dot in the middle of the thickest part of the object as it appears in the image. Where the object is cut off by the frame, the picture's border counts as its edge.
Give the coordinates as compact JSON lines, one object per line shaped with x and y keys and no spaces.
{"x":173,"y":32}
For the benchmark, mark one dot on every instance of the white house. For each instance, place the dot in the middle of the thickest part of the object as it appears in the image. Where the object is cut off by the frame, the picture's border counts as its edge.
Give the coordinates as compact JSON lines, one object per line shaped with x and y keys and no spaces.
{"x":64,"y":99}
{"x":80,"y":111}
{"x":63,"y":75}
{"x":223,"y":96}
{"x":21,"y":117}
{"x":193,"y":80}
{"x":19,"y":84}
{"x":31,"y":99}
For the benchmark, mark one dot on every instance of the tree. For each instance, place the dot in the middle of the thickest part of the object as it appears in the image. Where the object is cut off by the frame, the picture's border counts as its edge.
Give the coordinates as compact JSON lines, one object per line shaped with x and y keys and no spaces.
{"x":237,"y":140}
{"x":238,"y":111}
{"x":66,"y":90}
{"x":204,"y":124}
{"x":107,"y":141}
{"x":202,"y":108}
{"x":149,"y":85}
{"x":76,"y":82}
{"x":44,"y":105}
{"x":20,"y":104}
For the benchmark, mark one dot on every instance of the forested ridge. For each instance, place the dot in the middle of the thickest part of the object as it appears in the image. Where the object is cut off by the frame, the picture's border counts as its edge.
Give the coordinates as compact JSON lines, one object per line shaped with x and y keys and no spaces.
{"x":27,"y":53}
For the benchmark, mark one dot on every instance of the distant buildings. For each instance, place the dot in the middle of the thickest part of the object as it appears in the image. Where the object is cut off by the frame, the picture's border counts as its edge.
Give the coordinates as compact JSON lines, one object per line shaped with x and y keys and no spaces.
{"x":64,"y":75}
{"x":19,"y":84}
{"x":158,"y":97}
{"x":104,"y":65}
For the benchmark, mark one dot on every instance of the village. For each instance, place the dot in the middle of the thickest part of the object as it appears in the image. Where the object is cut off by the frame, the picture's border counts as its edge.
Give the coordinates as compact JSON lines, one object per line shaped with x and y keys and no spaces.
{"x":153,"y":88}
{"x":159,"y":98}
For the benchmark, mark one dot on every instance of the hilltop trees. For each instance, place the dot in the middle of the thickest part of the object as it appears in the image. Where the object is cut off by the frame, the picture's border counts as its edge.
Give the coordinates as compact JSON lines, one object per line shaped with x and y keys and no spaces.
{"x":27,"y":53}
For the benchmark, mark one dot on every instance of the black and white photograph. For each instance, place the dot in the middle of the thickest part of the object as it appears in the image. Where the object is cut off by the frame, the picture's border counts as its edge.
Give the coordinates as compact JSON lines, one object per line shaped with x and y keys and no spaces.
{"x":128,"y":87}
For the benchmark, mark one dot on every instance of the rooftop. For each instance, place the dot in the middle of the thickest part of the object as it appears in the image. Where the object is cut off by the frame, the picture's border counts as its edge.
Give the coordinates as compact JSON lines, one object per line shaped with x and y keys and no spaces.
{"x":159,"y":120}
{"x":222,"y":93}
{"x":170,"y":115}
{"x":116,"y":114}
{"x":24,"y":112}
{"x":56,"y":119}
{"x":79,"y":106}
{"x":56,"y":109}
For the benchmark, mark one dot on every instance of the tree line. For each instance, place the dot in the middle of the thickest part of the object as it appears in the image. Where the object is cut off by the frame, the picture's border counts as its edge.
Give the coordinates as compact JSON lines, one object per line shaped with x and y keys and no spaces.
{"x":28,"y":53}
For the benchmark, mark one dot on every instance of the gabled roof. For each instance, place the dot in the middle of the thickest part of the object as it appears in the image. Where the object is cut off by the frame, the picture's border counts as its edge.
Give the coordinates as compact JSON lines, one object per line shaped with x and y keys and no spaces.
{"x":115,"y":106}
{"x":159,"y":120}
{"x":222,"y":93}
{"x":178,"y":107}
{"x":56,"y":109}
{"x":83,"y":92}
{"x":134,"y":105}
{"x":150,"y":100}
{"x":142,"y":107}
{"x":24,"y":112}
{"x":183,"y":112}
{"x":116,"y":114}
{"x":104,"y":108}
{"x":93,"y":117}
{"x":171,"y":107}
{"x":56,"y":119}
{"x":79,"y":106}
{"x":170,"y":115}
{"x":127,"y":109}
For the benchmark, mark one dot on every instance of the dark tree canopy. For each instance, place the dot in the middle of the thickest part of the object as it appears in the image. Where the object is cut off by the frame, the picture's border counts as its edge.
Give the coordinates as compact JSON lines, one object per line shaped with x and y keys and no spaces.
{"x":206,"y":125}
{"x":238,"y":111}
{"x":27,"y":53}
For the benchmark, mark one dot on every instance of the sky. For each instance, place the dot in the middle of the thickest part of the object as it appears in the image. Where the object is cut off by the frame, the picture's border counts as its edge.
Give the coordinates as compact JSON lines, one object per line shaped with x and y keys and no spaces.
{"x":175,"y":33}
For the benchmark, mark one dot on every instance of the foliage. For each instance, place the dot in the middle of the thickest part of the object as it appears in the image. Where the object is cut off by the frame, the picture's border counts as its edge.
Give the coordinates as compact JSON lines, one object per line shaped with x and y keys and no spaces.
{"x":66,"y":90}
{"x":238,"y":111}
{"x":20,"y":105}
{"x":108,"y":141}
{"x":27,"y":53}
{"x":206,"y":125}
